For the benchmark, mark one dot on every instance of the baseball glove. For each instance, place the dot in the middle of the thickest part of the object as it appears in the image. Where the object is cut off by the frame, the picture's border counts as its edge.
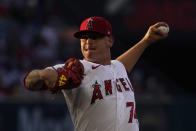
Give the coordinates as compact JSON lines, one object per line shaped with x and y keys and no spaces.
{"x":69,"y":76}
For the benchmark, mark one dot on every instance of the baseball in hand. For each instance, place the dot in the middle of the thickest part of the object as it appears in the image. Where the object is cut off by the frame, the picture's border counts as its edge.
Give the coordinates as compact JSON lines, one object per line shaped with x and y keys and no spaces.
{"x":164,"y":29}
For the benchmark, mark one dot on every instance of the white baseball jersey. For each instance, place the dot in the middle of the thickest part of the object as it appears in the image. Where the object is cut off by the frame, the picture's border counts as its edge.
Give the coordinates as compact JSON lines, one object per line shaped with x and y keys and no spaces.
{"x":104,"y":101}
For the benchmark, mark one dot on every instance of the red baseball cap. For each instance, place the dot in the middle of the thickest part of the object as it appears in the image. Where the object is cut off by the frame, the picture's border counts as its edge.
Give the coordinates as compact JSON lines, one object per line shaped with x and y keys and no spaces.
{"x":94,"y":24}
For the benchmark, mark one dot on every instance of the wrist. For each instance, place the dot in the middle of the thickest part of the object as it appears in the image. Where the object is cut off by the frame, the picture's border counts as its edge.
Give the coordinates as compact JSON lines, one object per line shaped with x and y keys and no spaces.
{"x":49,"y":77}
{"x":145,"y":42}
{"x":41,"y":75}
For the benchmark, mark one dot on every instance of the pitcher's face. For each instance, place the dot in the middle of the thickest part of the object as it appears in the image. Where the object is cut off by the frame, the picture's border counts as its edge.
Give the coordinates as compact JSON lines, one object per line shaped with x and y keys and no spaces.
{"x":95,"y":47}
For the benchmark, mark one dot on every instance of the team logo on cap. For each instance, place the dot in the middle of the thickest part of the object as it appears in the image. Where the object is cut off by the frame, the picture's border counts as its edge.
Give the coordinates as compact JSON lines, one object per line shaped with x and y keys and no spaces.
{"x":89,"y":24}
{"x":108,"y":32}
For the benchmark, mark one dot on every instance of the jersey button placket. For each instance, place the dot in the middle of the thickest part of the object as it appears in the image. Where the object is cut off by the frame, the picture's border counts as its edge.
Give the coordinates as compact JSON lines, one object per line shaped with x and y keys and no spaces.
{"x":118,"y":116}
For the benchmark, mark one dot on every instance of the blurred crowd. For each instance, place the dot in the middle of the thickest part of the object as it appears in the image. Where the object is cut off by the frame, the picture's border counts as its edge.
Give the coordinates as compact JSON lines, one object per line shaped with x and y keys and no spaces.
{"x":34,"y":35}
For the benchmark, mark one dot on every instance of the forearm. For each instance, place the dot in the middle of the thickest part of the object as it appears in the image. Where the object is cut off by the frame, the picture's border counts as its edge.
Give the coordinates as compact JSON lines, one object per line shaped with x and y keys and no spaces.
{"x":131,"y":56}
{"x":33,"y":80}
{"x":36,"y":79}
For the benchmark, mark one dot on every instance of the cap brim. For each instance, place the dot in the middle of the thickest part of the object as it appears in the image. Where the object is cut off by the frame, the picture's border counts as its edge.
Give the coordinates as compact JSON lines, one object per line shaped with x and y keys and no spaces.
{"x":79,"y":34}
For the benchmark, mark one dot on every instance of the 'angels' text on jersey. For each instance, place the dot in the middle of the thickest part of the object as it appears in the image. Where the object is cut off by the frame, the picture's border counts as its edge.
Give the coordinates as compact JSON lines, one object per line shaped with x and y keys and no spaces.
{"x":98,"y":91}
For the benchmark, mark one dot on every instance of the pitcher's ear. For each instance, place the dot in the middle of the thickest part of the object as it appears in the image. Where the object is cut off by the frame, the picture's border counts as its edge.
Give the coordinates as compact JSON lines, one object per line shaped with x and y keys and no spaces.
{"x":111,"y":41}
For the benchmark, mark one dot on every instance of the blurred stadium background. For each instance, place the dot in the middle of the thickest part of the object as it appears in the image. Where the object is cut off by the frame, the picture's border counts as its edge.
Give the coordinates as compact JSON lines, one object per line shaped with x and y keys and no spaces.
{"x":38,"y":33}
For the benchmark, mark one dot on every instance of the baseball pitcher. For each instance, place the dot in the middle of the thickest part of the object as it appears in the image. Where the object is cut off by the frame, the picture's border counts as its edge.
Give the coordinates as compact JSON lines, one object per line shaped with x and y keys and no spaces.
{"x":97,"y":90}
